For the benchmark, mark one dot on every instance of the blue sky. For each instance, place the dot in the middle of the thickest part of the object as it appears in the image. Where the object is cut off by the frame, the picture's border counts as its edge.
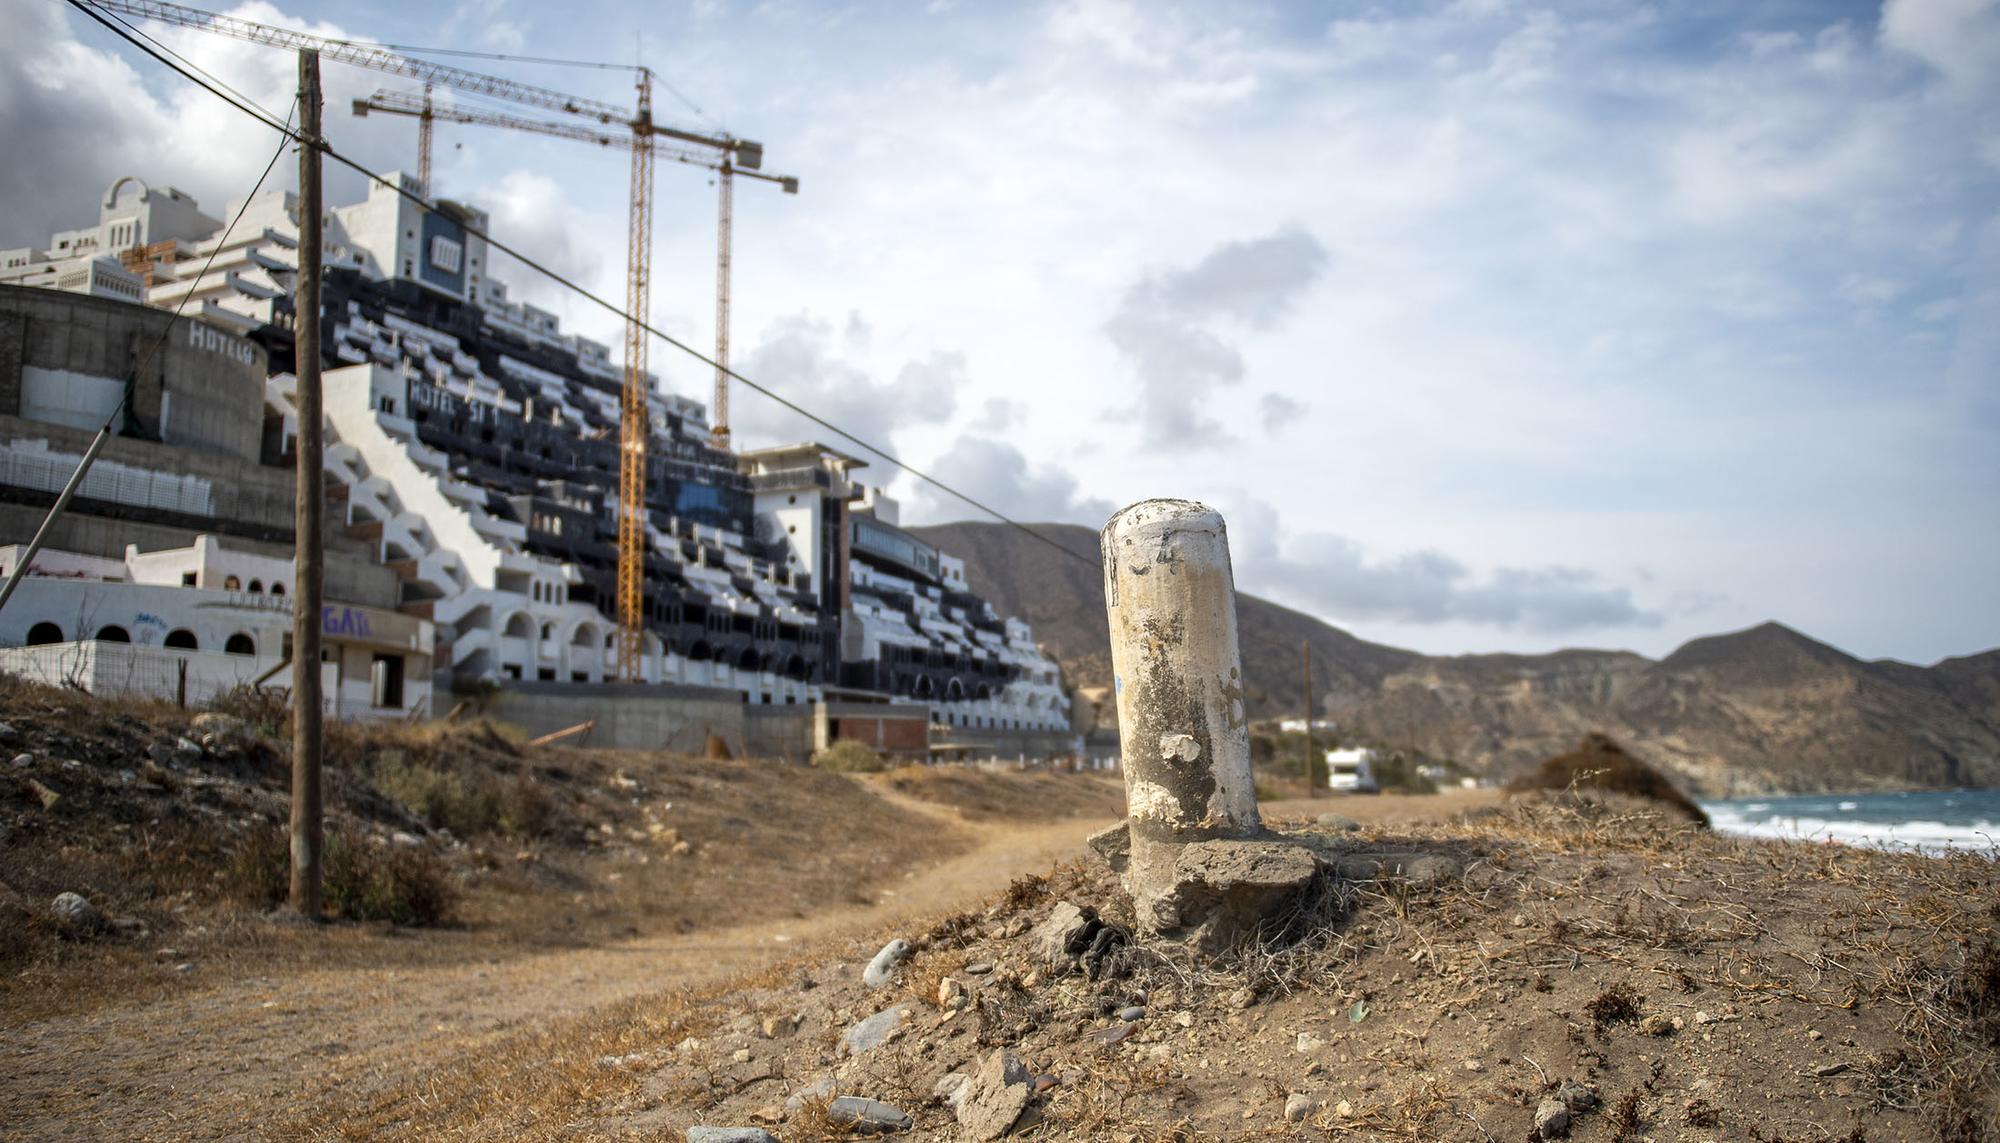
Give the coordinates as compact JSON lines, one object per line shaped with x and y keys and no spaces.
{"x":1489,"y":325}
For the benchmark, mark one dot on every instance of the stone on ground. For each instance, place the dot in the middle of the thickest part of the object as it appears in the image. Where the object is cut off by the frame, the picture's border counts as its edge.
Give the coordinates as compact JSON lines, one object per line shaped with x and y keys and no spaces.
{"x":883,"y":968}
{"x":994,"y":1098}
{"x":77,"y":914}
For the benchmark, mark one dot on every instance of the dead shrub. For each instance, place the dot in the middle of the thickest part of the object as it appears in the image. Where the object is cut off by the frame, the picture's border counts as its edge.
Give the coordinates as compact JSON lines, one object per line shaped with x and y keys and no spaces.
{"x":849,"y":757}
{"x":364,"y":881}
{"x":1618,"y":1004}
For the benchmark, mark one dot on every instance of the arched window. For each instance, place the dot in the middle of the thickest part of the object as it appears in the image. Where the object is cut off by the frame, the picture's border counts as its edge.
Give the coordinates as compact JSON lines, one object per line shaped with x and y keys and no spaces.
{"x":182,"y":638}
{"x":277,"y":588}
{"x":256,"y":587}
{"x":113,"y":634}
{"x":748,"y":660}
{"x":231,"y":583}
{"x":240,"y":644}
{"x":548,"y":632}
{"x":44,"y":632}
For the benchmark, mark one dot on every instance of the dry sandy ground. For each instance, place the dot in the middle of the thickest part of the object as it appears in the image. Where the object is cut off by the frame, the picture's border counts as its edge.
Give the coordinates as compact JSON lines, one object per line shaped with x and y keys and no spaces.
{"x":214,"y":1061}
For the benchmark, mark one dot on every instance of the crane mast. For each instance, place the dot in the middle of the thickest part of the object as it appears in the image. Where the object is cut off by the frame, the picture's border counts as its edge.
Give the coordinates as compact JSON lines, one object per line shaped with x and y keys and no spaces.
{"x":633,"y":421}
{"x":718,"y":433}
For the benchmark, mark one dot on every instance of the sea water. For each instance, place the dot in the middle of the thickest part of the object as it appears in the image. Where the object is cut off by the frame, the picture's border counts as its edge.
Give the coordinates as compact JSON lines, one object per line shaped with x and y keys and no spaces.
{"x":1926,"y":820}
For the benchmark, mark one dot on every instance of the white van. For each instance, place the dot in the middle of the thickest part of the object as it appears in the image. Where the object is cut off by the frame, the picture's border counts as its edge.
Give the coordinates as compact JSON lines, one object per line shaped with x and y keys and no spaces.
{"x":1351,"y":771}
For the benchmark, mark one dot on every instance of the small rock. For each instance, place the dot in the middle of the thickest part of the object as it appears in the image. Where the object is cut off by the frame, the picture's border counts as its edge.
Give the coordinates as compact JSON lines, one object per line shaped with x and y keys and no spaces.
{"x":1833,"y":1069}
{"x":952,"y":994}
{"x":979,"y":968}
{"x":8,"y":735}
{"x":874,"y":1031}
{"x":1184,"y":1018}
{"x":1578,"y":1097}
{"x":223,"y":726}
{"x":1116,"y":1034}
{"x":1552,"y":1119}
{"x":729,"y":1135}
{"x":1133,"y":1013}
{"x":1045,"y":1083}
{"x":776,"y":1026}
{"x":23,"y":761}
{"x":1339,"y":822}
{"x":1815,"y":1034}
{"x":883,"y":968}
{"x":740,"y":1055}
{"x":186,"y":749}
{"x":184,"y":968}
{"x":950,"y":1089}
{"x":818,"y":1089}
{"x":1657,"y":1024}
{"x":1704,"y":1018}
{"x":994,"y":1098}
{"x":1298,"y":1106}
{"x":1308,"y":1042}
{"x":1473,"y":1066}
{"x":1344,"y":1109}
{"x":868,"y":1116}
{"x":77,"y":914}
{"x":1056,"y":934}
{"x":681,"y":849}
{"x":1242,"y":998}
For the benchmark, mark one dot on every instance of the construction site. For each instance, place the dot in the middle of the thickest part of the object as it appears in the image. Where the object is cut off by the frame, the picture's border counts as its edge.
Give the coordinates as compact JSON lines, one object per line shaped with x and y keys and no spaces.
{"x":559,"y":537}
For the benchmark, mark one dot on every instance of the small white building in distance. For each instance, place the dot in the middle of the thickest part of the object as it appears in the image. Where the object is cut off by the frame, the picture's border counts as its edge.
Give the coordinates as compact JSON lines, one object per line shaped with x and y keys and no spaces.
{"x":1351,"y":771}
{"x":196,"y":622}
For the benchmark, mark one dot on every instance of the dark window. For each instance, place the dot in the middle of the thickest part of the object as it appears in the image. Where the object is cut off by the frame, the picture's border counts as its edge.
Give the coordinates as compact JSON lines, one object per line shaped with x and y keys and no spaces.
{"x":44,"y":632}
{"x":277,"y":588}
{"x":231,"y":583}
{"x":113,"y":634}
{"x":187,"y":579}
{"x":240,"y":644}
{"x":182,"y":638}
{"x":256,"y":587}
{"x":546,"y":674}
{"x":386,"y":680}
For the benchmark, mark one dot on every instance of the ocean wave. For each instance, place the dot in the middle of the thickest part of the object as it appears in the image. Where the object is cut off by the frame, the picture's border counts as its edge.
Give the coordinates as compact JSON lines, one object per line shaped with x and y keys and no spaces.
{"x":1930,"y":836}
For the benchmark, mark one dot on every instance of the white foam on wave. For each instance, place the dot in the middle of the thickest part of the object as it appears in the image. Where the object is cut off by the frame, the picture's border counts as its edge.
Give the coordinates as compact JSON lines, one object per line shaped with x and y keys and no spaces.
{"x":1848,"y":807}
{"x":1930,"y":836}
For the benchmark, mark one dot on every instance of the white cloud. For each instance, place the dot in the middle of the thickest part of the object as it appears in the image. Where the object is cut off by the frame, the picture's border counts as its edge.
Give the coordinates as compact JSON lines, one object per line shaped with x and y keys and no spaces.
{"x":1960,"y":38}
{"x":999,"y":476}
{"x":1165,"y":327}
{"x":803,"y":359}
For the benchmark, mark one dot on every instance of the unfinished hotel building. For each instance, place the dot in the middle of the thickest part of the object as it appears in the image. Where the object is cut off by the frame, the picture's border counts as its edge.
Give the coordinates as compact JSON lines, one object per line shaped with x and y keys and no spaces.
{"x":472,"y":446}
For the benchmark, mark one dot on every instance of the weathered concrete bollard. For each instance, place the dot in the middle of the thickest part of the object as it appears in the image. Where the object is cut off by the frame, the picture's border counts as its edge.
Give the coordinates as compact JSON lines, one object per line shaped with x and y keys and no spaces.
{"x":1198,"y":863}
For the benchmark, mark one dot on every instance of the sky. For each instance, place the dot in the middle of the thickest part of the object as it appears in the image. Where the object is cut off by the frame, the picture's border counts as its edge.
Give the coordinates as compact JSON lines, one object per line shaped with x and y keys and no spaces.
{"x":1487,"y":325}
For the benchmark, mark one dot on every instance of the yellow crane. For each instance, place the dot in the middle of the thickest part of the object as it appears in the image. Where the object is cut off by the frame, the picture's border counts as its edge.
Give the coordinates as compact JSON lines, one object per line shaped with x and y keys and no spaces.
{"x":426,"y":112}
{"x":642,"y":131}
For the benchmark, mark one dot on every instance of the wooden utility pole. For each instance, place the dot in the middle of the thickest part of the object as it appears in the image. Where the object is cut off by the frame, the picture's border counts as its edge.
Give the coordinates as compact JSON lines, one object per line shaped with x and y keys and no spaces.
{"x":308,"y":839}
{"x":1312,"y":763}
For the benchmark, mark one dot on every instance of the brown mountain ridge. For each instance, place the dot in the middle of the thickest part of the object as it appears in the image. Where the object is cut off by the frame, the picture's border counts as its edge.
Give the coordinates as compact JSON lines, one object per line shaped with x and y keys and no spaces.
{"x":1765,"y":710}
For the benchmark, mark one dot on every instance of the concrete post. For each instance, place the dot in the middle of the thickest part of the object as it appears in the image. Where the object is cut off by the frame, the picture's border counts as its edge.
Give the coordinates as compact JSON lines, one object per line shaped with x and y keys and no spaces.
{"x":1198,"y":861}
{"x":1178,"y":677}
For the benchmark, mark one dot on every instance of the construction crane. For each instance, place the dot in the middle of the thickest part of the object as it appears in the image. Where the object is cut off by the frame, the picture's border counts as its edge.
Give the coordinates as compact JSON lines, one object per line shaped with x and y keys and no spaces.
{"x":426,"y":112}
{"x":642,"y":129}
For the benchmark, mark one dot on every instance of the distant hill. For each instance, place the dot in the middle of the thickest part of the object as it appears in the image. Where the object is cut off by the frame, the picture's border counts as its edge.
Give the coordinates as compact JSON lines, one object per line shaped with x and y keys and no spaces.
{"x":1757,"y":711}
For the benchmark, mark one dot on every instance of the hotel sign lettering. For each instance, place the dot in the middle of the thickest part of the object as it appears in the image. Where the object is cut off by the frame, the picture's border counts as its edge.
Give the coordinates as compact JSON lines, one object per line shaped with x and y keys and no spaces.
{"x":347,"y":621}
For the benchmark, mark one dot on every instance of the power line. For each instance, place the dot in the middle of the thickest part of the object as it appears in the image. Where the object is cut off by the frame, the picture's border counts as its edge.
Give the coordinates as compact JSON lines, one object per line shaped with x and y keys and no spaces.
{"x":249,"y":107}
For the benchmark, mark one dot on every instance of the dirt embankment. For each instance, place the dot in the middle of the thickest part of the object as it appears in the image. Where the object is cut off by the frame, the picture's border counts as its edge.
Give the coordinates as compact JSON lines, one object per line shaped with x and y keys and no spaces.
{"x":1593,"y":969}
{"x":579,"y":881}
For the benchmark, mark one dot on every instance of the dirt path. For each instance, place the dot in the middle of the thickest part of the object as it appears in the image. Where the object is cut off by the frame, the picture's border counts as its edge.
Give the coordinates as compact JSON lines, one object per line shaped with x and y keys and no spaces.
{"x":212,"y":1062}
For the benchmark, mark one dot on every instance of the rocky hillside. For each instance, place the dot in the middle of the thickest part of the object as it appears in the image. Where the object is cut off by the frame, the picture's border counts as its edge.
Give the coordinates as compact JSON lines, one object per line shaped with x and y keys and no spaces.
{"x":1756,"y":711}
